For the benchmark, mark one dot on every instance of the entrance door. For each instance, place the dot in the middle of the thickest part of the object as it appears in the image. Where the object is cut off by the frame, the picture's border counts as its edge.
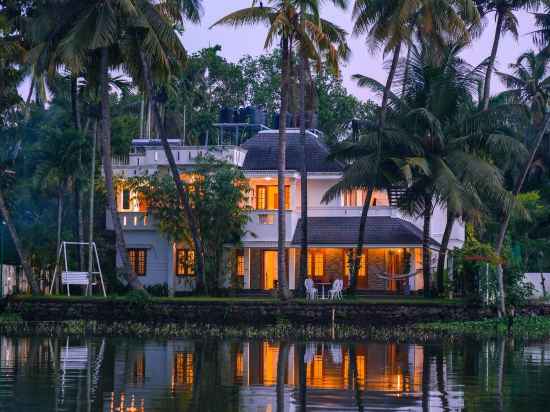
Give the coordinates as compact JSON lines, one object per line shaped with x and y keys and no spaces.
{"x":270,"y":269}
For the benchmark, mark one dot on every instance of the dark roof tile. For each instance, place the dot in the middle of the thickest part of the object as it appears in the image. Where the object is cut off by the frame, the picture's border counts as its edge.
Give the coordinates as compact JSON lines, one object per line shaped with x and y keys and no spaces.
{"x":262,"y":153}
{"x":380,"y":230}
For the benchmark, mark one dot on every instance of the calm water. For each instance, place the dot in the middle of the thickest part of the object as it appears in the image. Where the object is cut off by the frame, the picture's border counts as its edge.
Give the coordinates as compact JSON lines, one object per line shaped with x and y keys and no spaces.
{"x":128,"y":375}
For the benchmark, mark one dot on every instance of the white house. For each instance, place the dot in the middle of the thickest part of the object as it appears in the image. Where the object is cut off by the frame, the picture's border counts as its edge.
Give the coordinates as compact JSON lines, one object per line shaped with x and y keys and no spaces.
{"x":393,"y":239}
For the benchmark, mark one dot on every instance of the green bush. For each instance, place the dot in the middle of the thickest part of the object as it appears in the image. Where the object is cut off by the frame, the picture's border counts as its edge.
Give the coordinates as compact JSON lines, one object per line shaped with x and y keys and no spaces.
{"x":159,"y":290}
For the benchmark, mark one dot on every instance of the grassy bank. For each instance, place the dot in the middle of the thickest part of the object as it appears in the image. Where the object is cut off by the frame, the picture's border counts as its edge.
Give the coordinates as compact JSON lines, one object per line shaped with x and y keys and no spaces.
{"x":389,"y":300}
{"x":523,"y":328}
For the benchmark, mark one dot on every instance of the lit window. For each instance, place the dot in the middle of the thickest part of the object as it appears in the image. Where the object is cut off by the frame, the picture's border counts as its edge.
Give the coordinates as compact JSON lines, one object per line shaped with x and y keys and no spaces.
{"x":185,"y":262}
{"x":183,"y":368}
{"x":240,"y":263}
{"x":267,"y":197}
{"x":139,"y":370}
{"x":315,"y":264}
{"x":138,"y":261}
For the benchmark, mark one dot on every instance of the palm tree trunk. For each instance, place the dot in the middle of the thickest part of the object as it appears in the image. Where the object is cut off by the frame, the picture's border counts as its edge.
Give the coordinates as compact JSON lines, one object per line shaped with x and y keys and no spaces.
{"x":182,"y":190}
{"x":443,"y":250}
{"x":302,"y":378}
{"x":491,"y":65}
{"x":120,"y":242}
{"x":281,"y":169}
{"x":28,"y":100}
{"x":387,"y":88}
{"x":303,"y":177}
{"x":356,"y":263}
{"x":505,"y":222}
{"x":426,"y":253}
{"x":77,"y":184}
{"x":92,"y":195}
{"x":59,"y":215}
{"x":282,"y":361}
{"x":426,"y":378}
{"x":358,"y":395}
{"x":21,"y":252}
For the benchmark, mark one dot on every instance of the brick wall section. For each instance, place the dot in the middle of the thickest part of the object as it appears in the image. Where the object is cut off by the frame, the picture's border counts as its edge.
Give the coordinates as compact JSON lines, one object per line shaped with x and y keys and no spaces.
{"x":253,"y":313}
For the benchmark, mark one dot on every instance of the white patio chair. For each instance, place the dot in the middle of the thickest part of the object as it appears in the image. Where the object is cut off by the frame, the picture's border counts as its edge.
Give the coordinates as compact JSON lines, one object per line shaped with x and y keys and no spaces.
{"x":336,"y":291}
{"x":311,"y":291}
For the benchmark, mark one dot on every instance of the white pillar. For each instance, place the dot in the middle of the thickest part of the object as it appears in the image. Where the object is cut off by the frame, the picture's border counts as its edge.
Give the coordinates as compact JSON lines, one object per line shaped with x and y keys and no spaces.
{"x":292,"y":268}
{"x":247,"y":266}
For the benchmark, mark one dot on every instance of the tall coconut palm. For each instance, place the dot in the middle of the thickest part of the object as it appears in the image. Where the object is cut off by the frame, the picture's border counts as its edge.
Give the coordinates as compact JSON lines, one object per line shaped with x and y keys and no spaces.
{"x":528,"y":85}
{"x":506,"y":22}
{"x":320,"y":40}
{"x":369,"y":168}
{"x":393,"y":24}
{"x":281,"y":17}
{"x":8,"y":153}
{"x":445,"y":168}
{"x":93,"y":39}
{"x":159,"y":53}
{"x":58,"y":166}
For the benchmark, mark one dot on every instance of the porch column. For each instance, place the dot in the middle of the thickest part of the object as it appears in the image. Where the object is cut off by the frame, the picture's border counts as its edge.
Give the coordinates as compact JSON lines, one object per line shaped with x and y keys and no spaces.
{"x":171,"y":281}
{"x":292,"y":268}
{"x":247,"y":268}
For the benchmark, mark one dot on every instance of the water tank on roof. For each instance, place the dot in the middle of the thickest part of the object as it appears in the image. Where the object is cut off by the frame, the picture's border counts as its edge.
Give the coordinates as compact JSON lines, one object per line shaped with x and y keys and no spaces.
{"x":276,"y":117}
{"x":226,"y":115}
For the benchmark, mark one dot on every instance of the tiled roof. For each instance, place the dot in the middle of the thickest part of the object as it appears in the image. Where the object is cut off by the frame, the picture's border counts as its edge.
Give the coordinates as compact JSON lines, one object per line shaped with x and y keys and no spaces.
{"x":262,"y":153}
{"x":379,"y":230}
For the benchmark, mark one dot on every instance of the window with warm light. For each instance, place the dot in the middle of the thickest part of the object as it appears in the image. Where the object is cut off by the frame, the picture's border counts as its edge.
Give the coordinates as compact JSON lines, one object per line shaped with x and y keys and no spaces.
{"x":185,"y":262}
{"x":183,"y":368}
{"x":267,"y":197}
{"x":138,"y":370}
{"x":356,"y":198}
{"x":240,"y":263}
{"x":315,"y":264}
{"x":138,"y":261}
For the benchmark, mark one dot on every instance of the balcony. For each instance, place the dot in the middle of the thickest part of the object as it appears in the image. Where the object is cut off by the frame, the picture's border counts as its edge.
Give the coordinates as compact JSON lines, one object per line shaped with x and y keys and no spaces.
{"x":132,"y":221}
{"x":152,"y":156}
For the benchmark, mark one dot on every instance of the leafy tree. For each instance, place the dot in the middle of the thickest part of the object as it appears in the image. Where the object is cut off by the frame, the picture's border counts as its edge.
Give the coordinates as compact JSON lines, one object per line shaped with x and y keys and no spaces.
{"x":528,"y":87}
{"x":218,"y":193}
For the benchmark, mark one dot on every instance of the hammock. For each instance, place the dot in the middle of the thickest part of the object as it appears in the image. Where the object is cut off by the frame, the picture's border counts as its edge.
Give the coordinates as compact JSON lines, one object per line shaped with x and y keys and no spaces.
{"x":389,"y":276}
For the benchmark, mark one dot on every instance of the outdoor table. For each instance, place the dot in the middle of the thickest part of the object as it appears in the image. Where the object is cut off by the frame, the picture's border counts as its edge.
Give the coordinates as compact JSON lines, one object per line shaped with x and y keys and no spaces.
{"x":323,"y":284}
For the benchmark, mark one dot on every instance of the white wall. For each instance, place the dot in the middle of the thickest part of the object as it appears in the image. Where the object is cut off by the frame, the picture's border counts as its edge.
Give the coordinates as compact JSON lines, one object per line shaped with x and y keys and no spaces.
{"x":535,"y":279}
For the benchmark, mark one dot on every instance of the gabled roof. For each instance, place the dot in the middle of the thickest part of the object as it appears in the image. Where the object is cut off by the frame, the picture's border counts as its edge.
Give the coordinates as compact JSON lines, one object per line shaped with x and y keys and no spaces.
{"x":379,"y":231}
{"x":262,"y":152}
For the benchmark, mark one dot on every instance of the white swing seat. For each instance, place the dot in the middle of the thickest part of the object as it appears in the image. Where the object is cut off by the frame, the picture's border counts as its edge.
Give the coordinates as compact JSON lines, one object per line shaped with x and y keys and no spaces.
{"x":75,"y":278}
{"x":75,"y":357}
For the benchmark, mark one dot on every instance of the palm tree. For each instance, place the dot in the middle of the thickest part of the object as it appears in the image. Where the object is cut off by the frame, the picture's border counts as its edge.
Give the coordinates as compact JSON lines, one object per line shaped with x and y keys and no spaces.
{"x":58,"y":165}
{"x":164,"y":52}
{"x":506,"y":21}
{"x":393,"y":24}
{"x":282,"y":18}
{"x":369,"y":168}
{"x":318,"y":37}
{"x":528,"y":86}
{"x":93,"y":41}
{"x":444,"y":167}
{"x":7,"y":177}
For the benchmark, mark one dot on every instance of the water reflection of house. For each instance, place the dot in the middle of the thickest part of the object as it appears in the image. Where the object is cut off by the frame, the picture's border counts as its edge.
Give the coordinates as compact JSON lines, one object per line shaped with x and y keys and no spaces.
{"x":150,"y":373}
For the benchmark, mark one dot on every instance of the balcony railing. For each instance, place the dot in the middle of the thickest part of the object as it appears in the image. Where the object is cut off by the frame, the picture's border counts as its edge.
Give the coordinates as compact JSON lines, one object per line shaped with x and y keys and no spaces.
{"x":132,"y":221}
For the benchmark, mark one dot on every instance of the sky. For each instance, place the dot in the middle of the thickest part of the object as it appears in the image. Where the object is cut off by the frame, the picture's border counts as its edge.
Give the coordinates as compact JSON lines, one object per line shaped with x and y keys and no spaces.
{"x":249,"y":40}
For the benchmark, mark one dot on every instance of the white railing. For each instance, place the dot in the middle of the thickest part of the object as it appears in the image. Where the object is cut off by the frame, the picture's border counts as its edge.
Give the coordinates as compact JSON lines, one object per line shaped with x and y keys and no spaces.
{"x":131,"y":221}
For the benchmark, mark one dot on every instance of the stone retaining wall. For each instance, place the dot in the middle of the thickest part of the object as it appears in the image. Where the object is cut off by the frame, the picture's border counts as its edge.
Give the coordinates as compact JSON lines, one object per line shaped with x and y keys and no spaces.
{"x":248,"y":312}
